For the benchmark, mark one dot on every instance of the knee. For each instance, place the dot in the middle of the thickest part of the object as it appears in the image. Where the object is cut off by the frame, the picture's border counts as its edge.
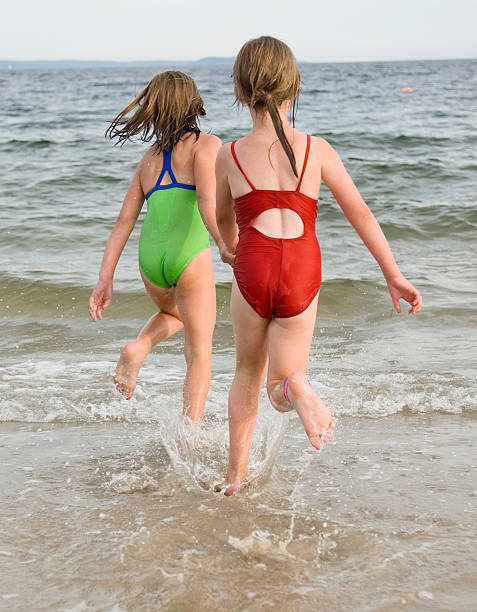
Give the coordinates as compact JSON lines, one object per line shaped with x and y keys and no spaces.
{"x":252,"y":366}
{"x":249,"y":374}
{"x":196,"y":353}
{"x":173,"y":313}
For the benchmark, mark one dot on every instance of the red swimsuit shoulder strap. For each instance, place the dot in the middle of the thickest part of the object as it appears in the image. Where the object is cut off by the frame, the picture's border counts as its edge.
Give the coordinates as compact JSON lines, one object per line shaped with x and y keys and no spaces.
{"x":308,"y":139}
{"x":232,"y":148}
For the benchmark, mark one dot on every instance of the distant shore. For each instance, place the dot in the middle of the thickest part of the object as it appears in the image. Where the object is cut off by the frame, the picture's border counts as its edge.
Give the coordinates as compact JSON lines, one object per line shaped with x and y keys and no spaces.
{"x":15,"y":64}
{"x":205,"y":61}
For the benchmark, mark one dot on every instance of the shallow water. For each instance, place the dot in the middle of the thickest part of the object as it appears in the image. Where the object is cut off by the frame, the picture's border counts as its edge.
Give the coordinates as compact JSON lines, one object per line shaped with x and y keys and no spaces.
{"x":106,"y":504}
{"x":104,"y":516}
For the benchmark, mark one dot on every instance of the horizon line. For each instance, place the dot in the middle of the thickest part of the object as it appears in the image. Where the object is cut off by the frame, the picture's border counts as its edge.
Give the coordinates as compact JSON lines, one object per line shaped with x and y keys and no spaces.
{"x":220,"y":60}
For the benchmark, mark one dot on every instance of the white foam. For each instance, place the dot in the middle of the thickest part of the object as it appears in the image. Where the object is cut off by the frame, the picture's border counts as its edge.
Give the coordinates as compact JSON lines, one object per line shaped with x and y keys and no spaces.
{"x":260,"y":544}
{"x":58,"y":391}
{"x":127,"y":482}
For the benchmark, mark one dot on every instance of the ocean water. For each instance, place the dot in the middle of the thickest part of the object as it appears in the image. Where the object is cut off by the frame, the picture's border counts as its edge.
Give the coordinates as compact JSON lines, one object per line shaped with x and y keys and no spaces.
{"x":105,"y":504}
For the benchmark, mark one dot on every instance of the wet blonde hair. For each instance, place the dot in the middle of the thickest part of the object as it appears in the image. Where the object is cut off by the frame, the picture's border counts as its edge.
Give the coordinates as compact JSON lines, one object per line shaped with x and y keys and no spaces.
{"x":168,"y":106}
{"x":265,"y":75}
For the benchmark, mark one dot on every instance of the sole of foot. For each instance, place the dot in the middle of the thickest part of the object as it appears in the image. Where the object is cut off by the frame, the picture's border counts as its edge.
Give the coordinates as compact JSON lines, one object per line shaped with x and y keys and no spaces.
{"x":127,"y":370}
{"x":311,"y":409}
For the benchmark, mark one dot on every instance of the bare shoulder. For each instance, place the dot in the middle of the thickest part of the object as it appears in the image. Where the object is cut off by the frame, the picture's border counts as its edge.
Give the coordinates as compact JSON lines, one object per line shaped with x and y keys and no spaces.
{"x":208,"y":142}
{"x":326,"y":153}
{"x":148,"y":156}
{"x":322,"y":145}
{"x":224,"y":154}
{"x":147,"y":165}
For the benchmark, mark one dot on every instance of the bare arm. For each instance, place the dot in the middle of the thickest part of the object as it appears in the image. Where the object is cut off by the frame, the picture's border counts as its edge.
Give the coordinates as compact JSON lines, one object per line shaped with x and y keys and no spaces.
{"x":204,"y":175}
{"x":132,"y":204}
{"x":225,"y":205}
{"x":361,"y":218}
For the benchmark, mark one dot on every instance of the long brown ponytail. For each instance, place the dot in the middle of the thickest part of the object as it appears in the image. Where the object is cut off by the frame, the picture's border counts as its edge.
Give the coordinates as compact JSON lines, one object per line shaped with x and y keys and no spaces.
{"x":168,"y":106}
{"x":278,"y":125}
{"x":266,"y":75}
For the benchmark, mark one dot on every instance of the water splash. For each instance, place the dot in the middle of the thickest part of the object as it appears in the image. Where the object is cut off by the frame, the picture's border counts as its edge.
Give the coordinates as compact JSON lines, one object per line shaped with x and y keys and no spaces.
{"x":259,"y":545}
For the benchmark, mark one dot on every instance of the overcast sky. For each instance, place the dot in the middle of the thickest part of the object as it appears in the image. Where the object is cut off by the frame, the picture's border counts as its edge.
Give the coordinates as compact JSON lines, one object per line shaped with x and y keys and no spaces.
{"x":317,"y":30}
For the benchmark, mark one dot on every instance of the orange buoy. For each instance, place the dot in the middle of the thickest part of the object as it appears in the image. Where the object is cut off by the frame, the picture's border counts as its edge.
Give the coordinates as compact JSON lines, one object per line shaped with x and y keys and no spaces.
{"x":406,"y":90}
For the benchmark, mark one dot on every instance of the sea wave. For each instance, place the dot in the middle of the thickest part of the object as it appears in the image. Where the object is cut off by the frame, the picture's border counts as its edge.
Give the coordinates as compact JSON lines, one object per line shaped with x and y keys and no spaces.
{"x":51,"y":391}
{"x":339,"y":297}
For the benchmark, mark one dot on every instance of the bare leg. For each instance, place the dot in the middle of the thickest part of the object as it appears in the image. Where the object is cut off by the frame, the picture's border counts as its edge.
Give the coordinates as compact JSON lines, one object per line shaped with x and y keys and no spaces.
{"x":289,"y":343}
{"x":195,"y":298}
{"x":159,"y":327}
{"x":251,"y":359}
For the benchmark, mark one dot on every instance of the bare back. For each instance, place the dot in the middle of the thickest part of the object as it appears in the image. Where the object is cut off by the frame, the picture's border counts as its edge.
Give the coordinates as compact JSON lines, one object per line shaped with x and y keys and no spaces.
{"x":182,"y":163}
{"x":265,"y":164}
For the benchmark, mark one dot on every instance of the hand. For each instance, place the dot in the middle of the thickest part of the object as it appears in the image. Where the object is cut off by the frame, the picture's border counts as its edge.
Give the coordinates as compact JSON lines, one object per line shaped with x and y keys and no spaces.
{"x":227,"y":255}
{"x":400,"y":288}
{"x":100,"y":299}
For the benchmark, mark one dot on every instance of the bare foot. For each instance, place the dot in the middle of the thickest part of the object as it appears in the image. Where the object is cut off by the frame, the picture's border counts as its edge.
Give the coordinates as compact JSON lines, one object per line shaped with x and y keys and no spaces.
{"x":129,"y":364}
{"x":234,"y":483}
{"x":315,"y":416}
{"x":230,"y":489}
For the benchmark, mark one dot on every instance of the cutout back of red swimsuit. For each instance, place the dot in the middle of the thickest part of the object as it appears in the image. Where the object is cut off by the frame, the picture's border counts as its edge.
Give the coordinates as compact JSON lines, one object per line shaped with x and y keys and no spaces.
{"x":279,"y":277}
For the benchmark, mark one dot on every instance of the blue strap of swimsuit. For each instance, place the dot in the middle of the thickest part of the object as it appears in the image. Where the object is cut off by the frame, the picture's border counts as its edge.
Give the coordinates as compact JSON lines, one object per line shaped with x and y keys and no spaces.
{"x":166,"y":167}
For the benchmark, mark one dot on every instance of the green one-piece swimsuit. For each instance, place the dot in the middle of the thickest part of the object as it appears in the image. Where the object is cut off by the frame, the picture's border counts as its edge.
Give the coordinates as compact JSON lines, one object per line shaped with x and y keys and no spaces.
{"x":173,"y":232}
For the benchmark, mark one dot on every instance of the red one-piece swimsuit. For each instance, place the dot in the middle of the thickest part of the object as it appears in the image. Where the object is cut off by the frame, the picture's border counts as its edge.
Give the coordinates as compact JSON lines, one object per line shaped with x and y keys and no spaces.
{"x":279,"y":277}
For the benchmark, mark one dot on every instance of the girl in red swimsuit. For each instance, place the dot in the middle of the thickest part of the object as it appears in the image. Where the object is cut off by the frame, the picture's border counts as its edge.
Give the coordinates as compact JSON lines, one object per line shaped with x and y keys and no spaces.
{"x":268,"y":184}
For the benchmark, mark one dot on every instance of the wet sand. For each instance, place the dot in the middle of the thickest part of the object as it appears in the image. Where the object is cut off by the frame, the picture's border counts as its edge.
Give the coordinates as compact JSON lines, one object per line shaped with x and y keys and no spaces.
{"x":113,"y":516}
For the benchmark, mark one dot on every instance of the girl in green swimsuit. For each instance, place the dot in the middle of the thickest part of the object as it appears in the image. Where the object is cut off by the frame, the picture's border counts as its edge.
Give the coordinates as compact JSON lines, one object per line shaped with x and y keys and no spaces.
{"x":176,"y":177}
